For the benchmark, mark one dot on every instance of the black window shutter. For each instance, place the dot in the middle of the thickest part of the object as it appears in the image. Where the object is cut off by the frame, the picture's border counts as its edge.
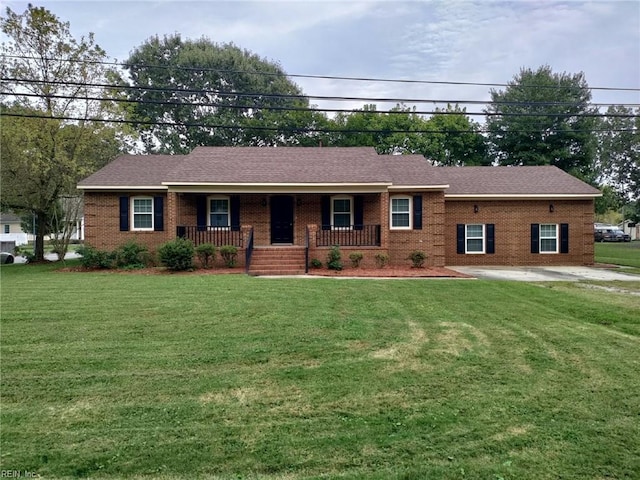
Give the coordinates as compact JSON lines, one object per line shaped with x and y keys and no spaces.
{"x":491,"y":240}
{"x":201,"y":212}
{"x":325,"y":206}
{"x":460,"y":237}
{"x":358,"y":212}
{"x":535,"y":238}
{"x":235,"y":212}
{"x":124,"y":214}
{"x":158,"y":214}
{"x":417,"y":212}
{"x":564,"y":238}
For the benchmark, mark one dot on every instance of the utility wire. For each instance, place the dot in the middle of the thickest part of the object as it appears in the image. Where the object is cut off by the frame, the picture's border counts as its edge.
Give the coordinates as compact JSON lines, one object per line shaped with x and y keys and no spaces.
{"x":128,"y":65}
{"x":292,"y":129}
{"x":328,"y":110}
{"x":276,"y":96}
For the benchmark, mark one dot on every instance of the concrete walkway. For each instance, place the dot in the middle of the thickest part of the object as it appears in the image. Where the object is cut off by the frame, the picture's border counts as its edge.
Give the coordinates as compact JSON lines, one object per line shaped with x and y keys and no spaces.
{"x":547,"y":274}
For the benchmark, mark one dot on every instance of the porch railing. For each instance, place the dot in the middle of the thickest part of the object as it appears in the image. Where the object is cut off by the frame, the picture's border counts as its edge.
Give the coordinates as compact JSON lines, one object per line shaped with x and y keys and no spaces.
{"x":214,"y":235}
{"x":352,"y":236}
{"x":248,"y":252}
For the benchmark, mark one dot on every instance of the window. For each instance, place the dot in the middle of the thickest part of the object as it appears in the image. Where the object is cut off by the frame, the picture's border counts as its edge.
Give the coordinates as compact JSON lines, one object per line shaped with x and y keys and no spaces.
{"x":219,"y":212}
{"x":548,"y":238}
{"x":341,"y":212}
{"x":7,"y":228}
{"x":142,"y":213}
{"x":401,"y":212}
{"x":474,"y":238}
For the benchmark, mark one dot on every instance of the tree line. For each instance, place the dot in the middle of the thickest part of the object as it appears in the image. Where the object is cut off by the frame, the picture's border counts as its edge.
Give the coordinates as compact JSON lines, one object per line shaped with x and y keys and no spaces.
{"x":66,"y":112}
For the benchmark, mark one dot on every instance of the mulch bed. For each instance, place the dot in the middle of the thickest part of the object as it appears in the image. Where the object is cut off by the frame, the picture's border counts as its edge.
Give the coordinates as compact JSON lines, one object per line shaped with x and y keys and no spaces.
{"x":386,"y":272}
{"x":390,"y":272}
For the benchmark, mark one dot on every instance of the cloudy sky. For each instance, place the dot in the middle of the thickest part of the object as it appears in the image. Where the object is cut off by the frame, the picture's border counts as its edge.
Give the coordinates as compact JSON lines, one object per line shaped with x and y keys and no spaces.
{"x":451,"y":41}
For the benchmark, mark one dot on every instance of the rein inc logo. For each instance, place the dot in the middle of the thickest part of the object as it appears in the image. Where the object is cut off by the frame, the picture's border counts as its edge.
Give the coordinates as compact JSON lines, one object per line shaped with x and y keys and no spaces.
{"x":18,"y":474}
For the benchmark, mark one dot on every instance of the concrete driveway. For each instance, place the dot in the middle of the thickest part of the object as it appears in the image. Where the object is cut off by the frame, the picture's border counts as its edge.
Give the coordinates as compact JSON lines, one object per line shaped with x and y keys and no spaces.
{"x":546,"y":274}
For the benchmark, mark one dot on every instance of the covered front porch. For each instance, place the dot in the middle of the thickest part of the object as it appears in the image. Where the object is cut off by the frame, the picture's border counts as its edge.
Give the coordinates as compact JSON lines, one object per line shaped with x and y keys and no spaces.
{"x":258,"y":223}
{"x":350,"y":220}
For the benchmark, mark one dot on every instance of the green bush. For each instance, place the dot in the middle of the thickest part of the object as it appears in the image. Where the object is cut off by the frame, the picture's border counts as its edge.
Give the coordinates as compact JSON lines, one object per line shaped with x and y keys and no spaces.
{"x":177,"y":254}
{"x":206,"y":253}
{"x":333,"y":259}
{"x":229,"y":254}
{"x":132,"y":255}
{"x":417,"y":258}
{"x":93,"y":258}
{"x":356,"y":259}
{"x":381,"y":259}
{"x":315,"y":263}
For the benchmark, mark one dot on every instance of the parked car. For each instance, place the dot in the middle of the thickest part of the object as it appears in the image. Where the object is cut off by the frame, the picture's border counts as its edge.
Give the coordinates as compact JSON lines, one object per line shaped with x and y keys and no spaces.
{"x":610,"y":234}
{"x":6,"y":258}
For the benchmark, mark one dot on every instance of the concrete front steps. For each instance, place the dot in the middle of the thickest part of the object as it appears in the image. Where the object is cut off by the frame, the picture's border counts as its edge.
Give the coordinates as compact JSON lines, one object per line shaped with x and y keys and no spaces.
{"x":278,"y":260}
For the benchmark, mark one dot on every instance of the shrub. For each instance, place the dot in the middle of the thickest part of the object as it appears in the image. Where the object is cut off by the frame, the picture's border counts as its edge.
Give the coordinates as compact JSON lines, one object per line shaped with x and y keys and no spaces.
{"x":206,"y":253}
{"x":333,"y":259}
{"x":315,"y":263}
{"x":417,"y":258}
{"x":132,"y":255}
{"x":177,"y":254}
{"x":229,"y":254}
{"x":94,"y":258}
{"x":356,"y":259}
{"x":381,"y":259}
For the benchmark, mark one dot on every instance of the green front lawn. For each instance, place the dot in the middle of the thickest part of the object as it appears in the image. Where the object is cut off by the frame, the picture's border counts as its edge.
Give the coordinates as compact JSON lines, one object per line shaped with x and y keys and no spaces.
{"x":204,"y":376}
{"x":627,"y":254}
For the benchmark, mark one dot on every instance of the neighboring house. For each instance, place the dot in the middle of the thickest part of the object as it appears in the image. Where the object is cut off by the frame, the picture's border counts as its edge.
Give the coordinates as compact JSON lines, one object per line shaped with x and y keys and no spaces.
{"x":302,"y":200}
{"x":11,"y":231}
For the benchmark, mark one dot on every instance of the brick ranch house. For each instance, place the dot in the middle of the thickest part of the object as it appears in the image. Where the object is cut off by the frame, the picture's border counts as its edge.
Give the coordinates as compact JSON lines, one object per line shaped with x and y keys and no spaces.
{"x":283,"y":207}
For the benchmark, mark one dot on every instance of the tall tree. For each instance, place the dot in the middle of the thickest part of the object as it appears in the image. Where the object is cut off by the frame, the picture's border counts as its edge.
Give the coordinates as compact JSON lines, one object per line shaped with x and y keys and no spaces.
{"x":447,"y":138}
{"x":196,"y":92}
{"x":49,"y":76}
{"x":389,"y":132}
{"x":543,"y":118}
{"x":454,"y":139}
{"x":618,"y":159}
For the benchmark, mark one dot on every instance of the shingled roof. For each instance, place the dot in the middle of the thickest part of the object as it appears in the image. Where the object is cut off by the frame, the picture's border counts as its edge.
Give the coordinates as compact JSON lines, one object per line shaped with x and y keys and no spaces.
{"x":514,"y":181}
{"x":349,"y":166}
{"x":133,"y":171}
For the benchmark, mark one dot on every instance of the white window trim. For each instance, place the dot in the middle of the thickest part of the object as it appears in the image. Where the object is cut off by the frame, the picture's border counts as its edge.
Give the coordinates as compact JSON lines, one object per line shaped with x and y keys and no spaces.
{"x":483,"y":238}
{"x":342,"y":197}
{"x":133,"y":214}
{"x":410,"y":227}
{"x":556,"y":238}
{"x":219,"y":197}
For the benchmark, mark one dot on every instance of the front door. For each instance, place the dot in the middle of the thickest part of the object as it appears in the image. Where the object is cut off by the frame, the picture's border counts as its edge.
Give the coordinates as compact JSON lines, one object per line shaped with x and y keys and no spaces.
{"x":282,"y":219}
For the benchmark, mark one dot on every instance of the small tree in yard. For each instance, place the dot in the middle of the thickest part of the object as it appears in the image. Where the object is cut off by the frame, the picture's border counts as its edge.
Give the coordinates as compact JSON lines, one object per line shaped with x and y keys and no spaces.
{"x":65,"y":223}
{"x":177,"y":254}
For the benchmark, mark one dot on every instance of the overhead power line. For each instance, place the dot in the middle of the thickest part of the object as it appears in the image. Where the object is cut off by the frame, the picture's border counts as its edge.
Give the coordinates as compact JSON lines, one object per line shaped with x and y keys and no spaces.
{"x":290,"y":129}
{"x":277,"y":96}
{"x":321,"y":77}
{"x":331,"y":110}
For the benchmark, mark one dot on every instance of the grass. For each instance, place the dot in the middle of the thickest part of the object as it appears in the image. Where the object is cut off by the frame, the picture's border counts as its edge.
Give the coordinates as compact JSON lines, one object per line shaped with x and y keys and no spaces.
{"x":109,"y":375}
{"x":627,"y":254}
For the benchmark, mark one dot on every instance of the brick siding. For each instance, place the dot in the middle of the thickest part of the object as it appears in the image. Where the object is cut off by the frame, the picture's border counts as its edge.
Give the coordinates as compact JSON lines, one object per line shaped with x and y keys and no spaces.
{"x":513,"y":221}
{"x":102,"y":223}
